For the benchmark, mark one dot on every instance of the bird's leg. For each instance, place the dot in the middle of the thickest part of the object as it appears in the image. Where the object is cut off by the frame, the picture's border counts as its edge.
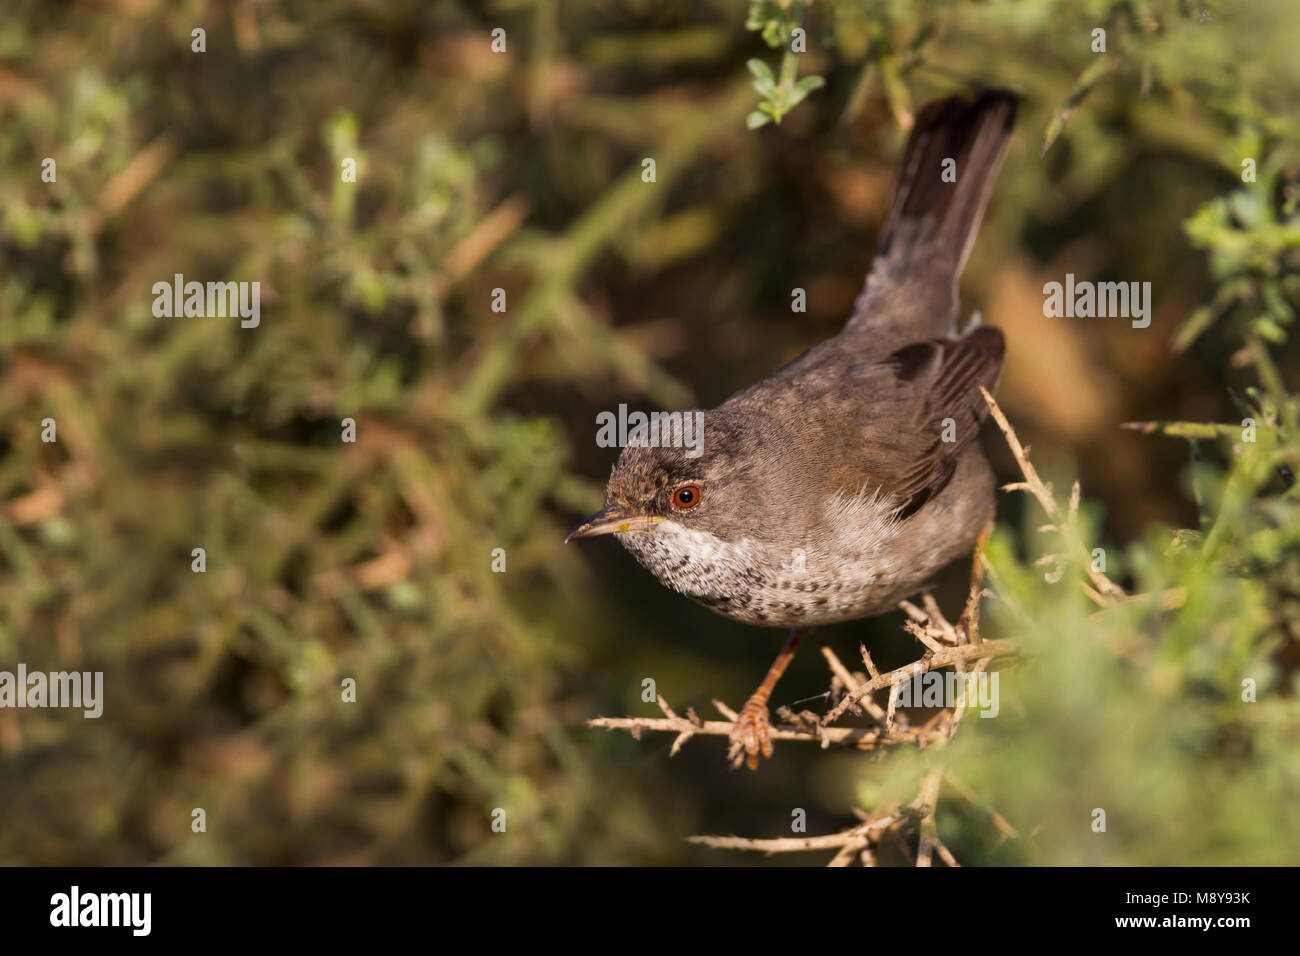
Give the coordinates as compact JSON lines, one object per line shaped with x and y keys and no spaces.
{"x":751,"y":734}
{"x":969,"y":623}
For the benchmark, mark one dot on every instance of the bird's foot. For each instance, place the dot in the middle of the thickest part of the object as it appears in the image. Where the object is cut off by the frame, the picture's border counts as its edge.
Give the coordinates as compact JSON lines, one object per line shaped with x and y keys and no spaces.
{"x":751,"y":734}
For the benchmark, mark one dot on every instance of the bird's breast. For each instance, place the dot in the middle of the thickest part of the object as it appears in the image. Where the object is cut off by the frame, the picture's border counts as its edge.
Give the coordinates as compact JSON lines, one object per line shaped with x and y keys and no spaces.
{"x":755,"y":583}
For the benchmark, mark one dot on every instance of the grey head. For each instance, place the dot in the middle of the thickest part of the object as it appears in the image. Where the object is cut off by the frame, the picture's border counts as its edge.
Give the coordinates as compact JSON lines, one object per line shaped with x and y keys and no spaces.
{"x":717,"y":489}
{"x":708,"y":521}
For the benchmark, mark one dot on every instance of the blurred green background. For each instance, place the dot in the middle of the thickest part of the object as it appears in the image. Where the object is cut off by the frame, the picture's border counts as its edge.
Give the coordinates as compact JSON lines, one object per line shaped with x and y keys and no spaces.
{"x":521,"y":171}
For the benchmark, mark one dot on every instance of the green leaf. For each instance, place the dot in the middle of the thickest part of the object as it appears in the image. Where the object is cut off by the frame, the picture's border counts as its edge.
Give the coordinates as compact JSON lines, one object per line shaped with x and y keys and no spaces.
{"x":802,"y":89}
{"x":764,"y":81}
{"x":760,"y":70}
{"x":756,"y":119}
{"x":808,"y":84}
{"x":1269,"y":330}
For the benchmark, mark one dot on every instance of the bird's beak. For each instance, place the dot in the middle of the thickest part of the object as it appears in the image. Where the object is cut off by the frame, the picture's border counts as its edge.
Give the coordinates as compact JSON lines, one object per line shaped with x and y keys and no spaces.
{"x":611,"y":520}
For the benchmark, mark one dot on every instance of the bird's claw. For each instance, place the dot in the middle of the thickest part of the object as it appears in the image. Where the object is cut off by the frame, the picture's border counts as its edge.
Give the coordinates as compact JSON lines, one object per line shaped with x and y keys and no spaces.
{"x":751,"y":734}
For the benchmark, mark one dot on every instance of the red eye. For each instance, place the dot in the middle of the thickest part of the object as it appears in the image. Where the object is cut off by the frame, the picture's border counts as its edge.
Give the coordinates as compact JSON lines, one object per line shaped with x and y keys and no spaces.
{"x":685,"y":497}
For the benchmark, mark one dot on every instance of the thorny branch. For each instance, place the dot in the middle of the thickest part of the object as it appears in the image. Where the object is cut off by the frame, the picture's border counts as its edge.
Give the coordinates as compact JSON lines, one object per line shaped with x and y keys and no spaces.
{"x":808,"y":726}
{"x":1104,"y":591}
{"x":946,"y":646}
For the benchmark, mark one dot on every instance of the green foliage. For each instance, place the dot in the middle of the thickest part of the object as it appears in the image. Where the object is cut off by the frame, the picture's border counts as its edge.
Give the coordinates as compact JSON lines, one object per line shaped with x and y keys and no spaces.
{"x":776,"y":22}
{"x":325,"y":561}
{"x":520,"y":171}
{"x":1253,"y":239}
{"x":1174,"y":722}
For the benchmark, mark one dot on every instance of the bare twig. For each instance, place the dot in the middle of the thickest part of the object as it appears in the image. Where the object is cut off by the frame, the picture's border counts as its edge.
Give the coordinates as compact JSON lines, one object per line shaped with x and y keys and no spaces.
{"x":1105,"y":591}
{"x":851,"y":683}
{"x":949,"y":655}
{"x":860,"y":738}
{"x":855,"y":836}
{"x":925,"y":803}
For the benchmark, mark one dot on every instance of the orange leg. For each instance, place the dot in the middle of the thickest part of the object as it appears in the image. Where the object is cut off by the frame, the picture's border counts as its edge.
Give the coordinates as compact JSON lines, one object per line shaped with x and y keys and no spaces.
{"x":752,"y":734}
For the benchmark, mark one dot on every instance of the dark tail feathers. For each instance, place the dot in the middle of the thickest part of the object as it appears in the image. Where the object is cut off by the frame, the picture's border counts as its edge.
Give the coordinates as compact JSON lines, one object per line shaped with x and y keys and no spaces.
{"x":936,"y":212}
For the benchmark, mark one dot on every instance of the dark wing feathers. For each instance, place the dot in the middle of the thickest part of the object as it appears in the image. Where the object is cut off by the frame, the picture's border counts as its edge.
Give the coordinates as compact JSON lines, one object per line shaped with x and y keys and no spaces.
{"x":879,"y":423}
{"x":939,"y":382}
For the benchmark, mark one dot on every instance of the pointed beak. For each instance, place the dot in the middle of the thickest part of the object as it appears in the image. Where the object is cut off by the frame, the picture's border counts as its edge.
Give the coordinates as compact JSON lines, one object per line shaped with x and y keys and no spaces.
{"x":611,"y":520}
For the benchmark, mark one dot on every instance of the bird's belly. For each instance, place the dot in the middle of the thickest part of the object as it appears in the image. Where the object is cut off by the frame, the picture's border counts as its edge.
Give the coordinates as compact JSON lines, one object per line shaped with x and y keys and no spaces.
{"x":810,"y":602}
{"x":747,"y":583}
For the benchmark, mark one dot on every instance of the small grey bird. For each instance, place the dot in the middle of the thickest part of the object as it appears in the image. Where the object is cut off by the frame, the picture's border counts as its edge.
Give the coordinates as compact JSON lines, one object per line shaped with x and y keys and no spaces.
{"x":839,"y":485}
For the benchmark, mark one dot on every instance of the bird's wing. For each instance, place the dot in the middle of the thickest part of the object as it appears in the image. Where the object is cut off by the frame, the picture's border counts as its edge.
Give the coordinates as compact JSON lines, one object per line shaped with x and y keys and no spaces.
{"x":895,"y":425}
{"x":937,"y":398}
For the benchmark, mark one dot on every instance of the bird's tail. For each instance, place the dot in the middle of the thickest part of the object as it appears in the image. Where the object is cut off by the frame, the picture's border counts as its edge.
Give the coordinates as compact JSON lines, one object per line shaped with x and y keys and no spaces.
{"x":951,"y":160}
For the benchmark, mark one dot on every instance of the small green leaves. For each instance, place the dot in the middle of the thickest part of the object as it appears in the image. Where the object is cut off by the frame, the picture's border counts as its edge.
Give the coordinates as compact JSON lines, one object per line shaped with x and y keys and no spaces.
{"x":1252,"y":240}
{"x":767,"y":17}
{"x":778,"y":23}
{"x":778,"y":100}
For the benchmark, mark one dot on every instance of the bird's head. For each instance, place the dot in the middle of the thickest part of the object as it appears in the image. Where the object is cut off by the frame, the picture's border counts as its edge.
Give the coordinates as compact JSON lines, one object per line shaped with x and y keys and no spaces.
{"x":707,"y":484}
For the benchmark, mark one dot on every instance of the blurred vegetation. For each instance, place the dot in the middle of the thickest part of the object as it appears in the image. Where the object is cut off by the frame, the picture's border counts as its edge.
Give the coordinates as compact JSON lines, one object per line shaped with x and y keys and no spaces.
{"x":522,"y":171}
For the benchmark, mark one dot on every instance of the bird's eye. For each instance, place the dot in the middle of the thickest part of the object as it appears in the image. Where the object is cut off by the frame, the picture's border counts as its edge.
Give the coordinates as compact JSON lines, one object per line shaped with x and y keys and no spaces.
{"x":686,"y":496}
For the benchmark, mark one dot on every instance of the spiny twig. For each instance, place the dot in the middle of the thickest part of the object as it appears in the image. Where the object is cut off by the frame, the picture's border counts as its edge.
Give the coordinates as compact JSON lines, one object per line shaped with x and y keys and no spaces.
{"x":860,"y":738}
{"x":861,"y":842}
{"x":926,"y":803}
{"x":986,"y":650}
{"x":1104,"y":591}
{"x":852,"y":837}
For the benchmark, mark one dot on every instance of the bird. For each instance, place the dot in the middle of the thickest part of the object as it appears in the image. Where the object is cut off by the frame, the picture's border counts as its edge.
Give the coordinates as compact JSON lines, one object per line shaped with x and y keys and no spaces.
{"x":840,"y":484}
